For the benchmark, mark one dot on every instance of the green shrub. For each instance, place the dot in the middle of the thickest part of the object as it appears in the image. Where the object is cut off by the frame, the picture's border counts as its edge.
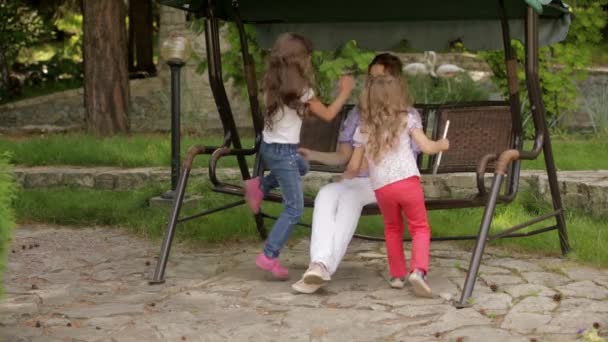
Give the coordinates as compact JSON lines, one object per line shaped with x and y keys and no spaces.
{"x":596,"y":106}
{"x":20,"y":26}
{"x":7,"y":219}
{"x":328,"y":65}
{"x":560,"y":65}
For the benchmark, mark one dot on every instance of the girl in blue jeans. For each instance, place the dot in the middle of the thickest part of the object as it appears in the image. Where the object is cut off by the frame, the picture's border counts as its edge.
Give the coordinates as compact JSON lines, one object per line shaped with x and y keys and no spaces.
{"x":288,"y":93}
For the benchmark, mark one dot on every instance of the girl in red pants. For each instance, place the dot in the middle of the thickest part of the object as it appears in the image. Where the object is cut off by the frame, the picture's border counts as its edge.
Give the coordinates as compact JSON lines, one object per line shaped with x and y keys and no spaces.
{"x":388,"y":124}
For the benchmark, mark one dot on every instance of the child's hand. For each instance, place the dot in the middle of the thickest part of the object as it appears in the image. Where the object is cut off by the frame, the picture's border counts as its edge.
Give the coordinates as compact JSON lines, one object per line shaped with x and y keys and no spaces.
{"x":346,"y":84}
{"x":444,"y":144}
{"x":350,"y":174}
{"x":306,"y":153}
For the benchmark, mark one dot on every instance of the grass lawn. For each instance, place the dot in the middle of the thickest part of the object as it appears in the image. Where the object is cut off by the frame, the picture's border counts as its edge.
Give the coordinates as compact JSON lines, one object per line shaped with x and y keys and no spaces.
{"x":120,"y":151}
{"x":571,"y":152}
{"x":599,"y":55}
{"x":7,"y":191}
{"x":129,"y":209}
{"x":82,"y":207}
{"x":575,"y":152}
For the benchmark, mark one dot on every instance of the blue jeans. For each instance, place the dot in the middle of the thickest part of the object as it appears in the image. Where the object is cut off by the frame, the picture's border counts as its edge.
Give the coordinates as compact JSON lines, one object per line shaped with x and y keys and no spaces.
{"x":286,"y":170}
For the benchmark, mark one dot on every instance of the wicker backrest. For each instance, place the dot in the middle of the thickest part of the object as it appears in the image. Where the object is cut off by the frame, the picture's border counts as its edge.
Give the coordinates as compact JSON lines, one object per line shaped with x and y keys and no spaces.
{"x":475,"y":131}
{"x":319,"y":135}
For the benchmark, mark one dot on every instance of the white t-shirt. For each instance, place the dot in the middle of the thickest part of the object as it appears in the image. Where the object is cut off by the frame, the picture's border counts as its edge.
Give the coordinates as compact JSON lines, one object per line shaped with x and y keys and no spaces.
{"x":398,"y":163}
{"x":286,"y":124}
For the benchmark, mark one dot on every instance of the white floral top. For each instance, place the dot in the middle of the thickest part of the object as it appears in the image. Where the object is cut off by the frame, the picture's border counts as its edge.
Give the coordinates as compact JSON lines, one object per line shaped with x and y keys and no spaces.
{"x":398,"y":163}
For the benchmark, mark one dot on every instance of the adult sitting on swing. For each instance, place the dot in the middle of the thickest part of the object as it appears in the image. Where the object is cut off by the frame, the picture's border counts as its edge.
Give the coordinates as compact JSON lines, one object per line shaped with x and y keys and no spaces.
{"x":338,"y":205}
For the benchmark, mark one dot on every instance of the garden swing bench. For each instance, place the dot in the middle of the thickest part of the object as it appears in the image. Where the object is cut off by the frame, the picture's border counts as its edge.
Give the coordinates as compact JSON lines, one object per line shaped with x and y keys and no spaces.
{"x":485,"y":137}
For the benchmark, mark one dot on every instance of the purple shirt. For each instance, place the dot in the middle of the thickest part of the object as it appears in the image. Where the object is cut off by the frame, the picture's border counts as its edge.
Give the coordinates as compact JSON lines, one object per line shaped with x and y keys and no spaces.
{"x":347,"y":131}
{"x":349,"y":125}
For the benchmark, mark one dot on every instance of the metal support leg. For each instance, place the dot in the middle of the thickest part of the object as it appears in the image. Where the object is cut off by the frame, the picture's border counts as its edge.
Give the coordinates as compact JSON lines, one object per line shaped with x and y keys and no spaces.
{"x":258,"y":171}
{"x":252,"y":90}
{"x":216,"y":82}
{"x":486,"y":221}
{"x":175,"y":123}
{"x":159,"y":273}
{"x":538,"y":109}
{"x":556,"y":195}
{"x":175,"y":66}
{"x":260,"y":226}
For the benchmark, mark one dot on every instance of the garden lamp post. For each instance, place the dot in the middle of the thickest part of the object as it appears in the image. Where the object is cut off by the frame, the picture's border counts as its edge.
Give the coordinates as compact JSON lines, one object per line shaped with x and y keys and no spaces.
{"x":176,"y":51}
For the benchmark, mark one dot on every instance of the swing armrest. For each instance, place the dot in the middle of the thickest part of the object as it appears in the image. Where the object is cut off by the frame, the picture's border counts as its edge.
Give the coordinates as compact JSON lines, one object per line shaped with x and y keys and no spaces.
{"x":502,"y":162}
{"x":481,"y":171}
{"x":194,"y":151}
{"x":222,"y":152}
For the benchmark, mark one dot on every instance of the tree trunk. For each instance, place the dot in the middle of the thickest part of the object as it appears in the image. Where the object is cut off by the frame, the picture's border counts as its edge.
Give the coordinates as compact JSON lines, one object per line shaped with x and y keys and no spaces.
{"x":4,"y":70}
{"x":141,"y":35}
{"x":106,"y":78}
{"x":131,"y":42}
{"x":605,"y":29}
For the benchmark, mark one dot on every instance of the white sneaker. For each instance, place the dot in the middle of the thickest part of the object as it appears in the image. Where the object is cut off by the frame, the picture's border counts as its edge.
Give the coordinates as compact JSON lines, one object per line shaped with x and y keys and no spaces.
{"x":419,"y":284}
{"x":397,"y":283}
{"x":317,"y":273}
{"x":301,"y":287}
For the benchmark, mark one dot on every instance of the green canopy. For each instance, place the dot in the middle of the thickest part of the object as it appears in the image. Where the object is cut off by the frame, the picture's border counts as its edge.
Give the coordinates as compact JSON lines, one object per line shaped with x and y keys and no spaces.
{"x":382,"y":24}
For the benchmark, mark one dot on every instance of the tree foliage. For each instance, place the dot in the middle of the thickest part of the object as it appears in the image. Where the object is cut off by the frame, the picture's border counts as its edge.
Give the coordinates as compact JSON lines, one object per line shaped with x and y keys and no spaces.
{"x":561,"y":65}
{"x":20,"y":26}
{"x":8,"y":191}
{"x":328,"y":65}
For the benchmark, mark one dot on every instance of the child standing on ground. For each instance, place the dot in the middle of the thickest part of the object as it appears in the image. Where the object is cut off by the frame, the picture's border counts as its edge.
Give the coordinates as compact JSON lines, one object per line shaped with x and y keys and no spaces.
{"x":287,"y":86}
{"x":388,"y":124}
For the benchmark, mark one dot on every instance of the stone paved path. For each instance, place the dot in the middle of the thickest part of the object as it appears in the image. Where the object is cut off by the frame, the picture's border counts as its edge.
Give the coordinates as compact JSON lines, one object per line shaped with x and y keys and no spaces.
{"x":90,"y":284}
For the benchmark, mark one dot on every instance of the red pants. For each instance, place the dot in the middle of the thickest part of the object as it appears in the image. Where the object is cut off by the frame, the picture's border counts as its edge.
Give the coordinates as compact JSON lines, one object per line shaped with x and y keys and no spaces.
{"x":405,"y":195}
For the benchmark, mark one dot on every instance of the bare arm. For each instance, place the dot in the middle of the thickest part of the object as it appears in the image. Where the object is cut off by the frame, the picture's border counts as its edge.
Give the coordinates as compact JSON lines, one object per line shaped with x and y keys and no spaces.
{"x":427,"y":145}
{"x":364,"y":166}
{"x":346,"y":85}
{"x":338,"y":158}
{"x":356,"y":162}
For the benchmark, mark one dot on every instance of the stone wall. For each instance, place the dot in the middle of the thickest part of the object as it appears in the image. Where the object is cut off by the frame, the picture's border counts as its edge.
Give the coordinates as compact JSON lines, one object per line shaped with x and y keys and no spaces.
{"x":56,"y":112}
{"x":593,"y":97}
{"x":581,"y":190}
{"x":199,"y":111}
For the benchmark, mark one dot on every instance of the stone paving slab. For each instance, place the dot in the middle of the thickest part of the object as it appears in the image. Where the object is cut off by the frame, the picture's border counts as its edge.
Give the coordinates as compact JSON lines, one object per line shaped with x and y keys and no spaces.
{"x":90,"y":284}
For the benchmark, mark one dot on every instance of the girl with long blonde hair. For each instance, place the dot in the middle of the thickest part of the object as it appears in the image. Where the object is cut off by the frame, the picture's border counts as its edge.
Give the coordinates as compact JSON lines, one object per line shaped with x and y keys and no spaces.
{"x":388,"y":125}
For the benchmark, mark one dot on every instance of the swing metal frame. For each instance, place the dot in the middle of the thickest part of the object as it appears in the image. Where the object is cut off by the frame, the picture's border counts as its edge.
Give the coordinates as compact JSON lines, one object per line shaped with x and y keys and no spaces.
{"x":504,"y":160}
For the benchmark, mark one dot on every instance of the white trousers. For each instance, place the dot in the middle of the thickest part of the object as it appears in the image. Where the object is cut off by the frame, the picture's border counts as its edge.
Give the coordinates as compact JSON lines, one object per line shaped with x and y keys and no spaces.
{"x":335,"y":217}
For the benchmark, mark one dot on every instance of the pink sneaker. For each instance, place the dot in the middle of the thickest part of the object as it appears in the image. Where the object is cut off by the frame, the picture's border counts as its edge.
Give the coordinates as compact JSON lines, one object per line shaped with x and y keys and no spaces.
{"x":272,"y":265}
{"x":253,"y":194}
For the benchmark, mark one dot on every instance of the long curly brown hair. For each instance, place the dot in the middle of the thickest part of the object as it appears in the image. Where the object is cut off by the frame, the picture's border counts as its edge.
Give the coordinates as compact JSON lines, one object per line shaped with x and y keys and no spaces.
{"x":383,"y":102}
{"x":288,"y":75}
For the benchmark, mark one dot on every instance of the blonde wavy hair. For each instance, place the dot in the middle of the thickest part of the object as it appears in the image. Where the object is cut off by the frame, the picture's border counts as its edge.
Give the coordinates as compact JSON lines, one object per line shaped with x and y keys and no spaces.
{"x":384,"y":102}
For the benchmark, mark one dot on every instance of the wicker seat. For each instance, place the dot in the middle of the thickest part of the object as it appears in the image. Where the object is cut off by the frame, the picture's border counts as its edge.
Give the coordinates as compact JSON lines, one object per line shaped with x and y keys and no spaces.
{"x":476,"y":130}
